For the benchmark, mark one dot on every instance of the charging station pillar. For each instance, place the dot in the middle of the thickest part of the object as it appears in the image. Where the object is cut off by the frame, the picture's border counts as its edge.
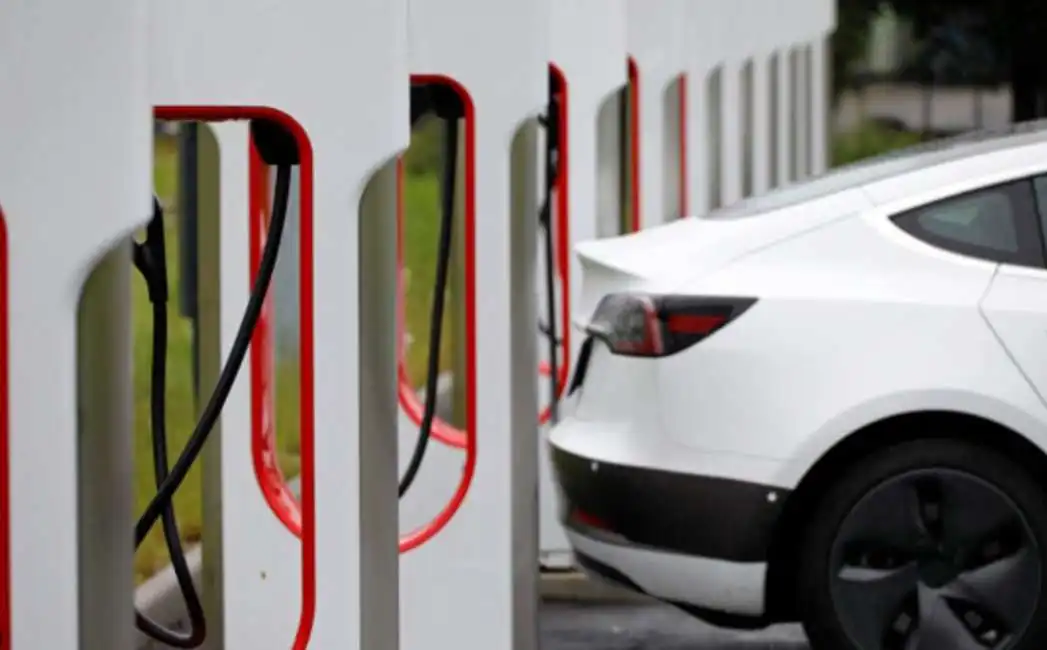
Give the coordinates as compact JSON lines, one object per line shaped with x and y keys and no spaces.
{"x":821,"y":97}
{"x":732,"y":45}
{"x":785,"y":107}
{"x":306,"y":65}
{"x":74,"y":182}
{"x":760,"y":45}
{"x":650,"y":37}
{"x":823,"y":25}
{"x":784,"y":112}
{"x":478,"y":577}
{"x":587,"y":44}
{"x":801,"y":109}
{"x":703,"y":64}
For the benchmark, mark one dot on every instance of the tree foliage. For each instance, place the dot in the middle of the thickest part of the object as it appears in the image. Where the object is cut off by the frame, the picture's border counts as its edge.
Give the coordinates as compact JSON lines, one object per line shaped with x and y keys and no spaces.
{"x":1013,"y":29}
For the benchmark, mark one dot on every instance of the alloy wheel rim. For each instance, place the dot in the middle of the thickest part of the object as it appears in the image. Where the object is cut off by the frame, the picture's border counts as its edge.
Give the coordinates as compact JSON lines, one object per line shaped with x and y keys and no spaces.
{"x":935,"y":559}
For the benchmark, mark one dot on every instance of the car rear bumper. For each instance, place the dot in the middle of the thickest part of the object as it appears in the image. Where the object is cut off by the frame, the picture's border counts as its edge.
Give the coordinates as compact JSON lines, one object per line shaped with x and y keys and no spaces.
{"x":697,"y":541}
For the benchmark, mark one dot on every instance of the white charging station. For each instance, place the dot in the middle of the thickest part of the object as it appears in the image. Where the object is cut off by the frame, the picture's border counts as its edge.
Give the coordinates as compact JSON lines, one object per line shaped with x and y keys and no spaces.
{"x":760,"y":44}
{"x":237,"y":60}
{"x":789,"y":22}
{"x":480,"y":572}
{"x":588,"y":52}
{"x":703,"y":58}
{"x":734,"y":37}
{"x":655,"y":48}
{"x":823,"y":24}
{"x":803,"y":100}
{"x":74,"y":183}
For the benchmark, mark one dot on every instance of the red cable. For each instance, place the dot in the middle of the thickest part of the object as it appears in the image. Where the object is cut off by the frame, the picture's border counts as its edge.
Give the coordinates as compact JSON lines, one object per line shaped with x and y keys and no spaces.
{"x":5,"y":488}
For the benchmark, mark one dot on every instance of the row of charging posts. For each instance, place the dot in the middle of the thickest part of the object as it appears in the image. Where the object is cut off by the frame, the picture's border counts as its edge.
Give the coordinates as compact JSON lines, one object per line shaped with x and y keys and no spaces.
{"x":691,"y":89}
{"x":330,"y":612}
{"x":79,"y":83}
{"x":586,"y":79}
{"x":347,"y":522}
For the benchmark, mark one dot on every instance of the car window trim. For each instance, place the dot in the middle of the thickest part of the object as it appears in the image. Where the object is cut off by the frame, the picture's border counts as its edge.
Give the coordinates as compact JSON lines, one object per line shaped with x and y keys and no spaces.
{"x":1022,"y":194}
{"x":1039,"y":214}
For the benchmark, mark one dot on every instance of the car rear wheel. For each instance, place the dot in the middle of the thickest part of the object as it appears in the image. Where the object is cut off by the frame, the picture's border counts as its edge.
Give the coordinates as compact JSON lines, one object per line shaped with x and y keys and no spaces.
{"x":929,"y":545}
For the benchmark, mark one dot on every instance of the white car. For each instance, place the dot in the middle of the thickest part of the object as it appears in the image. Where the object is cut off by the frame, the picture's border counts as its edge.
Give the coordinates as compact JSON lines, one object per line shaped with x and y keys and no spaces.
{"x":827,"y":404}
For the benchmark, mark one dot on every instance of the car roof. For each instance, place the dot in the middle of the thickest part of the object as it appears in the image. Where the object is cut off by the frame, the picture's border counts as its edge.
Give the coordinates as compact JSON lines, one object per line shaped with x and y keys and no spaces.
{"x":896,"y":163}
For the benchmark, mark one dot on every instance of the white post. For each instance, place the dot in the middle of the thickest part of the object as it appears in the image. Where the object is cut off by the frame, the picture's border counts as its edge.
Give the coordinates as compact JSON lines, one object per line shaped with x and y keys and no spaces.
{"x":761,"y":126}
{"x":732,"y":141}
{"x":785,"y":116}
{"x":820,"y":105}
{"x":801,"y":105}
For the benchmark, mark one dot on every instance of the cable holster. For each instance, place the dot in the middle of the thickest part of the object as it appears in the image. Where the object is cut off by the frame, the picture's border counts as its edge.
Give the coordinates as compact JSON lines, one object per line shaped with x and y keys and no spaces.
{"x":275,"y":144}
{"x":438,"y":99}
{"x":149,"y":257}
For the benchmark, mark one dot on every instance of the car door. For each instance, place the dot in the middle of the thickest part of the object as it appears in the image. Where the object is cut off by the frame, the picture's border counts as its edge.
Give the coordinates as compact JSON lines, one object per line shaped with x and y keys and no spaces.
{"x":1016,"y":303}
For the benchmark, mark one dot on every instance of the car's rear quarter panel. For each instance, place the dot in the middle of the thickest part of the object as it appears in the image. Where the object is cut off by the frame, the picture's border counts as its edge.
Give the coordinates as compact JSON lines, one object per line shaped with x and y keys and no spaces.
{"x":891,"y":328}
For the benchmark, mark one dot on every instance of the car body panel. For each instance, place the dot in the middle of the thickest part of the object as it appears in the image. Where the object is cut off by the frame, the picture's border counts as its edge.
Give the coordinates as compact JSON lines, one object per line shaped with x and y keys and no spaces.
{"x":662,"y":256}
{"x":856,"y":321}
{"x":1016,"y":308}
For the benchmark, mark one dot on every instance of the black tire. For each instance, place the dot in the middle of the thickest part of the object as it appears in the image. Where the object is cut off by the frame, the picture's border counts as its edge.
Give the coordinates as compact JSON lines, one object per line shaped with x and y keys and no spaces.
{"x":839,"y":563}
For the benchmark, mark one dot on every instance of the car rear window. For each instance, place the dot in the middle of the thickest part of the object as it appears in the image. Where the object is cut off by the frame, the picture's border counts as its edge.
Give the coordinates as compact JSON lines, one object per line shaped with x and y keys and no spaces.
{"x":996,"y":223}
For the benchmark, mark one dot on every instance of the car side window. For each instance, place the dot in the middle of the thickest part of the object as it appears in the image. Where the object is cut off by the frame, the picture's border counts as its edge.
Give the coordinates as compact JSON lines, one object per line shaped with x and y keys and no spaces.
{"x":998,"y":224}
{"x":1040,"y":186}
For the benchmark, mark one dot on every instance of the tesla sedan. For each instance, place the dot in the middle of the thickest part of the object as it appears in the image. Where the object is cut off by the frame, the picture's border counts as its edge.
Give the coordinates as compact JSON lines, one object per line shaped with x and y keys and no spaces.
{"x":826,"y":404}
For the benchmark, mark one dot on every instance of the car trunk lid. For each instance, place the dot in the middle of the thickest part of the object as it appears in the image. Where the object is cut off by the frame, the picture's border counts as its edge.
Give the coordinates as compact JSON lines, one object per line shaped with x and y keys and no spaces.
{"x":661,"y":258}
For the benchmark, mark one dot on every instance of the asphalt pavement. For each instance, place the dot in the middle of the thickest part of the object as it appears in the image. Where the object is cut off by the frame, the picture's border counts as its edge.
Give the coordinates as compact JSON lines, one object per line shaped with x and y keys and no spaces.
{"x":643,"y":626}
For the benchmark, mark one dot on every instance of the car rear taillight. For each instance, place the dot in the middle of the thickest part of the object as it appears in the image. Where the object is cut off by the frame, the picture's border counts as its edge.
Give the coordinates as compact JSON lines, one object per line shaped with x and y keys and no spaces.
{"x":648,"y":325}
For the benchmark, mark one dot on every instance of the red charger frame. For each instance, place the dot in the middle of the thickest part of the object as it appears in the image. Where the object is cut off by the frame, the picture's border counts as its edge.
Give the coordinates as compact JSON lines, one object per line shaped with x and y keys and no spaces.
{"x":634,"y":143}
{"x":5,"y":418}
{"x":684,"y":190}
{"x":267,"y":470}
{"x":308,"y":509}
{"x":562,"y":240}
{"x":409,"y":400}
{"x":263,"y":440}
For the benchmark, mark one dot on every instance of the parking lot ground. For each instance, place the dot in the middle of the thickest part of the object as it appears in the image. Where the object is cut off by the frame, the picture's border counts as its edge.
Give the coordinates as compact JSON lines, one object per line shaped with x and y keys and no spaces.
{"x":649,"y":626}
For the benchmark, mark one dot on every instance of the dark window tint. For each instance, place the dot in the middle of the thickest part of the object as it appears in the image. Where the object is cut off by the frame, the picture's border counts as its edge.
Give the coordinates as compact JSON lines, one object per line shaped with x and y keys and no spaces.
{"x":997,"y":223}
{"x":1040,"y":185}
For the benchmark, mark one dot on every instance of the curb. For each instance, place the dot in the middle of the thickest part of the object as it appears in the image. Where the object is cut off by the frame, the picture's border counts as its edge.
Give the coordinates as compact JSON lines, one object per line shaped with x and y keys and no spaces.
{"x":577,"y":587}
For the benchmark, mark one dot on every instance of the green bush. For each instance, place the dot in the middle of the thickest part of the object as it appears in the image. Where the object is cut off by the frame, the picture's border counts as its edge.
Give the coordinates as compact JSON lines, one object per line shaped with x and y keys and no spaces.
{"x":870,"y":139}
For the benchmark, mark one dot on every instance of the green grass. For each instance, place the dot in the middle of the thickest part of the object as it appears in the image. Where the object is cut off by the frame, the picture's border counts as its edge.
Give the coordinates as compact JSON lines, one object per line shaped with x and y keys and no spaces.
{"x":421,"y":233}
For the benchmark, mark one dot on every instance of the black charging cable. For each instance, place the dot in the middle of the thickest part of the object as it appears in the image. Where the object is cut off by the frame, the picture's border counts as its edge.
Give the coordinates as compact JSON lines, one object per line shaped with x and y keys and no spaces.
{"x":151,"y":261}
{"x":551,"y":122}
{"x":276,"y":147}
{"x":447,"y":106}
